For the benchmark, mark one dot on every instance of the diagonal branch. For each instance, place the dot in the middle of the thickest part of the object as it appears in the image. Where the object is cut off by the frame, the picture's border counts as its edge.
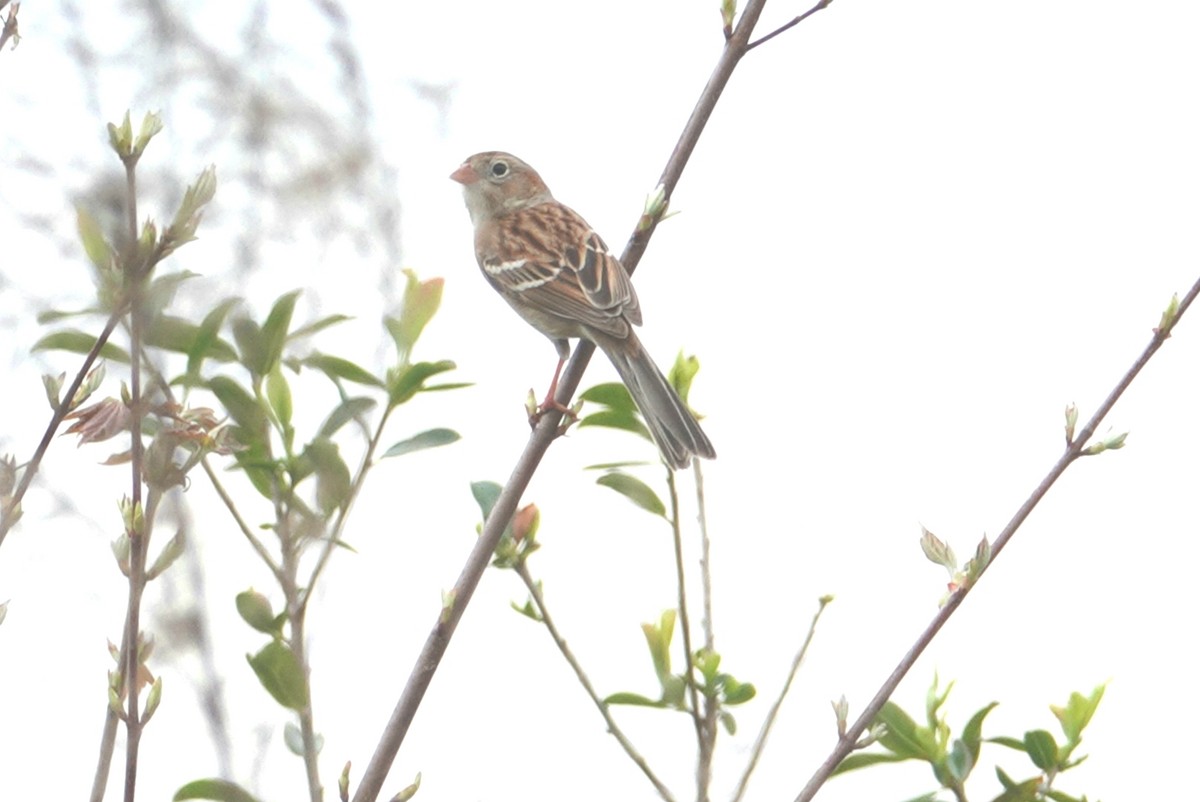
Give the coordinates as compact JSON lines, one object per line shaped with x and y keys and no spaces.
{"x":535,"y":592}
{"x":10,"y":513}
{"x":773,"y":713}
{"x":1075,"y":449}
{"x":543,"y":434}
{"x":789,"y":25}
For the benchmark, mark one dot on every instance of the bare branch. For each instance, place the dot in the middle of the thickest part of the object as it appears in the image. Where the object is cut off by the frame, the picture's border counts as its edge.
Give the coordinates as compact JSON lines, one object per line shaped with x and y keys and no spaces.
{"x":536,"y":592}
{"x":10,"y":29}
{"x":773,"y":713}
{"x":788,"y":26}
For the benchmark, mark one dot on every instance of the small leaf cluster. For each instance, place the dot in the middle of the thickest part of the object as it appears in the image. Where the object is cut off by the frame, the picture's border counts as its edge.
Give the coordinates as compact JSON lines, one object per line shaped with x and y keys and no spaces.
{"x":940,"y":552}
{"x":275,"y":665}
{"x":714,"y":685}
{"x":309,"y":484}
{"x":118,"y":687}
{"x":519,"y":539}
{"x":618,"y":411}
{"x":261,"y":406}
{"x":953,"y":758}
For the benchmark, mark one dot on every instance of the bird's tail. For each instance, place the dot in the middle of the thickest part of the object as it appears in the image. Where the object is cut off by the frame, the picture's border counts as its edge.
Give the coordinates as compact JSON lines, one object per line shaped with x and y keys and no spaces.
{"x":677,"y":433}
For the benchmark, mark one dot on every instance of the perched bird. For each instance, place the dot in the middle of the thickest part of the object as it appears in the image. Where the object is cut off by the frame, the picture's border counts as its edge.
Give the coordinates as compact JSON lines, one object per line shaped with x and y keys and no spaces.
{"x":548,"y":263}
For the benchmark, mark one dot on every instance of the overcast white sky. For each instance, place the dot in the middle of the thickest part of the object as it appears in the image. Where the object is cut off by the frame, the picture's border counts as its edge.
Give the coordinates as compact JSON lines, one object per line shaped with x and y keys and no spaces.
{"x":912,"y":233}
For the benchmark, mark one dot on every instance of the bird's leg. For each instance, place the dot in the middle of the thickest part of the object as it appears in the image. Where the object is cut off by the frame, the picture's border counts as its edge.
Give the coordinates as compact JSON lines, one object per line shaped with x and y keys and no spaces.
{"x":550,"y":403}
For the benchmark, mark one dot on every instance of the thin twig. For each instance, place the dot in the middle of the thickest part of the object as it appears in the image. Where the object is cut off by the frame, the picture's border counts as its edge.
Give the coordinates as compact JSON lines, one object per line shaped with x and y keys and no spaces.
{"x":787,"y":26}
{"x":703,"y":743}
{"x":711,"y":707}
{"x":1073,"y":451}
{"x":136,"y":275}
{"x":334,"y":536}
{"x":10,"y":29}
{"x":539,"y":601}
{"x":543,"y":434}
{"x":706,"y":622}
{"x":247,"y":532}
{"x":108,"y":742}
{"x":289,"y":545}
{"x":773,"y":713}
{"x":60,"y":413}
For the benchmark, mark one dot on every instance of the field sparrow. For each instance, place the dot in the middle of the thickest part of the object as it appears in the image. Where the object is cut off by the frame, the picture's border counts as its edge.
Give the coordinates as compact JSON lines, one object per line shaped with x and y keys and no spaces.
{"x":546,"y":261}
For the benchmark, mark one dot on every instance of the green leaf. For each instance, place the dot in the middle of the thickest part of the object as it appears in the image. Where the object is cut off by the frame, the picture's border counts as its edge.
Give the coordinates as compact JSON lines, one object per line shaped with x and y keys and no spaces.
{"x":238,"y":402}
{"x":1042,"y":749}
{"x":628,"y":698}
{"x":337,"y":368}
{"x":1078,"y":713}
{"x":120,"y":137}
{"x":707,"y":663}
{"x":658,"y":639}
{"x":617,"y":419}
{"x":255,"y":461}
{"x":430,"y":438}
{"x":1026,"y":791}
{"x":728,"y":722}
{"x":151,"y":126}
{"x":161,"y":292}
{"x":903,"y":736}
{"x":960,"y":761}
{"x":251,"y":346}
{"x":409,"y":380}
{"x":79,"y":342}
{"x":528,"y":610}
{"x":1059,"y":796}
{"x":972,"y":734}
{"x":486,"y":494}
{"x":1011,"y":743}
{"x":609,"y":466}
{"x":55,"y":315}
{"x":319,"y":325}
{"x":938,"y":552}
{"x":220,"y":790}
{"x":279,"y":396}
{"x":682,"y":373}
{"x":169,"y":554}
{"x":673,"y":689}
{"x":255,"y":610}
{"x":420,"y":303}
{"x":635,"y":490}
{"x":934,"y":701}
{"x":275,"y":329}
{"x":345,"y":412}
{"x":737,"y":693}
{"x":611,"y":394}
{"x":184,"y":337}
{"x":293,"y":739}
{"x":95,"y":244}
{"x":859,"y":760}
{"x":407,"y":792}
{"x":280,"y":674}
{"x":438,"y":388}
{"x":333,"y":477}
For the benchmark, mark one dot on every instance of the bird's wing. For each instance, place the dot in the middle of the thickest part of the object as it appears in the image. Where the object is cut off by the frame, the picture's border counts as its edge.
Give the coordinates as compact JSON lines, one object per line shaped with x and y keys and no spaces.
{"x":549,"y":258}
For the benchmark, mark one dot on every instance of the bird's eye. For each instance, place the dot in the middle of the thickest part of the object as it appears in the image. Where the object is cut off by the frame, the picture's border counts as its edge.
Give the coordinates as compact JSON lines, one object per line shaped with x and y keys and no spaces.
{"x":499,"y":169}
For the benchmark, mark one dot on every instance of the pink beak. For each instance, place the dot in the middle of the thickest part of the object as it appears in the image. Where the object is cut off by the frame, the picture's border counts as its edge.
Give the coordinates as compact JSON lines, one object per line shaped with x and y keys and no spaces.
{"x":465,"y":174}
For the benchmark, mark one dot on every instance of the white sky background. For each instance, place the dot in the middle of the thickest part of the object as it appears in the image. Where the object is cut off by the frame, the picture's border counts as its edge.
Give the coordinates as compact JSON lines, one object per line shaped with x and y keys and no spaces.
{"x":910,"y":235}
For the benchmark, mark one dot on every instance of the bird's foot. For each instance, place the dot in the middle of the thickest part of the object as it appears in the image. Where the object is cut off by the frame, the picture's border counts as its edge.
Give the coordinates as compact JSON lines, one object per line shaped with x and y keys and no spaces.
{"x":570,"y":414}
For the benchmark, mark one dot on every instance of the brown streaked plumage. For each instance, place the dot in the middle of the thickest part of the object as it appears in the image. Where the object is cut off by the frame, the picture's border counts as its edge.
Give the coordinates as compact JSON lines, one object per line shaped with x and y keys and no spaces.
{"x":556,"y":272}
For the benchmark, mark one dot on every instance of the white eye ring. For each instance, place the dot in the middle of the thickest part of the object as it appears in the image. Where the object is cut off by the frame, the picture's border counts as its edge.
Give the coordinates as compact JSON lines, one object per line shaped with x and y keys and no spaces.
{"x":499,"y":169}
